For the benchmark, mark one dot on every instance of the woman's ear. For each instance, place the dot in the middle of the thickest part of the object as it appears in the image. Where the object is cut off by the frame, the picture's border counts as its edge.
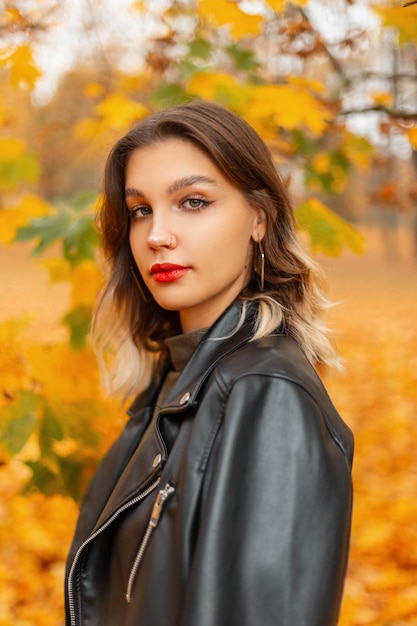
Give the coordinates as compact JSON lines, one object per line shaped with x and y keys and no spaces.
{"x":259,"y":224}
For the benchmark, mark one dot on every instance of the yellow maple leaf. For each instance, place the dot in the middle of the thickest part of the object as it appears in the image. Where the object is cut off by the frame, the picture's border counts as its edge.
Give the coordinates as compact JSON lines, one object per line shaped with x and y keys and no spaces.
{"x":23,"y":70}
{"x":13,"y":366}
{"x":136,"y":83}
{"x":80,"y":381}
{"x":93,"y":89}
{"x":277,"y":5}
{"x":18,"y":215}
{"x":227,"y":12}
{"x":13,"y":16}
{"x":382,"y":98}
{"x":207,"y":85}
{"x":88,"y":129}
{"x":328,"y":231}
{"x":358,"y":150}
{"x":86,"y":280}
{"x":321,"y":162}
{"x":285,"y":106}
{"x":223,"y":88}
{"x":59,"y":269}
{"x":412,"y":136}
{"x":119,"y":112}
{"x":404,"y":22}
{"x":11,"y":148}
{"x":304,"y":82}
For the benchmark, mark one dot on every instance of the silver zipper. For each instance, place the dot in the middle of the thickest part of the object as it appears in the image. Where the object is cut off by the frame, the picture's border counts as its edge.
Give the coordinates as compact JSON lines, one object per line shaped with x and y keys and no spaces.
{"x":135,"y":500}
{"x":160,"y":500}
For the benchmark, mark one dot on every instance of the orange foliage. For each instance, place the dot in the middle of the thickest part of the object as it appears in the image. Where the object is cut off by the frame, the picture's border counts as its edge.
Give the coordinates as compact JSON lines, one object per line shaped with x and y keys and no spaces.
{"x":378,"y":335}
{"x":376,"y":395}
{"x":378,"y":398}
{"x":33,"y":543}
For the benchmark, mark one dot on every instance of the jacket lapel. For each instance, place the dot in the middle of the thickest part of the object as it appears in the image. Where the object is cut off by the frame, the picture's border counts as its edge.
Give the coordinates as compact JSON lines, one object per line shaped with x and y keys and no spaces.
{"x":220,"y":340}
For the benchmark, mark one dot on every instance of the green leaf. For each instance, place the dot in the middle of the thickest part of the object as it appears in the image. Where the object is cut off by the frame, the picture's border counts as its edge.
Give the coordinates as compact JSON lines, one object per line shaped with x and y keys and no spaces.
{"x":83,"y":201}
{"x":73,"y":469}
{"x":45,"y":230}
{"x":78,"y":424}
{"x":78,"y":320}
{"x":70,"y":474}
{"x":14,"y":171}
{"x":200,"y":48}
{"x":303,"y":144}
{"x":328,"y":232}
{"x":50,"y":430}
{"x":19,"y":421}
{"x":243,"y":58}
{"x":80,"y":240}
{"x":43,"y":479}
{"x":325,"y":179}
{"x":187,"y":70}
{"x":169,"y":94}
{"x":339,"y":158}
{"x":73,"y":228}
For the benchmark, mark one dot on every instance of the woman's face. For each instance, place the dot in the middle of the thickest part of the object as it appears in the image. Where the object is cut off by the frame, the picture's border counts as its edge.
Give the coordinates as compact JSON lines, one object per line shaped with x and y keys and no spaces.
{"x":191,"y":230}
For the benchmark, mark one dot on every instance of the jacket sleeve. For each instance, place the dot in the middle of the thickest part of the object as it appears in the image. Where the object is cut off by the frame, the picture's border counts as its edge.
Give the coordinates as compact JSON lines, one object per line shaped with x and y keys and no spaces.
{"x":274,"y":529}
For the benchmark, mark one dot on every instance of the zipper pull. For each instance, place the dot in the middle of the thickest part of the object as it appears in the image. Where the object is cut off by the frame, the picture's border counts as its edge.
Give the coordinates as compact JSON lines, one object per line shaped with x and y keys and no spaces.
{"x":162,"y":496}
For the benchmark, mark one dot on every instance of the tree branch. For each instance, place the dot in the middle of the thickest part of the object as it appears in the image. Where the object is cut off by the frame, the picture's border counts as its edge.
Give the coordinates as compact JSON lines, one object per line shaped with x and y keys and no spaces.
{"x":337,"y":66}
{"x":398,"y":76}
{"x":392,"y":113}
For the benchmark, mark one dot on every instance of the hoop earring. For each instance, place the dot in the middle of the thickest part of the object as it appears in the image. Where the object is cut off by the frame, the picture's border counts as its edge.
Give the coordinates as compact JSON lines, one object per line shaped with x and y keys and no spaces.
{"x":262,"y":273}
{"x":145,"y":298}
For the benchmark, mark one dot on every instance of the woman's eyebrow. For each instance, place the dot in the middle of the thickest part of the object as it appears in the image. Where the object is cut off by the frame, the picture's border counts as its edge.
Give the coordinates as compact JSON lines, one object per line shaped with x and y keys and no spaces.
{"x":188,"y":181}
{"x":177,"y":185}
{"x":131,"y":191}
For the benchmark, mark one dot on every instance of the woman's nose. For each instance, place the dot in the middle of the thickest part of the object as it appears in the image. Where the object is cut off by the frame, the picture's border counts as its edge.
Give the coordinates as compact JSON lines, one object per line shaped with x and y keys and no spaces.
{"x":161,"y":239}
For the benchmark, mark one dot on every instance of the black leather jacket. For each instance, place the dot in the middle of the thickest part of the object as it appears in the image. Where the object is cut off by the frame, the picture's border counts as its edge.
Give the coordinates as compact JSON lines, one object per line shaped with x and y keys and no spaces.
{"x":251,"y":509}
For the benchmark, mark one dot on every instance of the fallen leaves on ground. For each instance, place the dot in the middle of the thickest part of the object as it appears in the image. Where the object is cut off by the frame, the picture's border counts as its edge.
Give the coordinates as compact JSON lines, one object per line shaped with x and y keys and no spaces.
{"x":377,"y":396}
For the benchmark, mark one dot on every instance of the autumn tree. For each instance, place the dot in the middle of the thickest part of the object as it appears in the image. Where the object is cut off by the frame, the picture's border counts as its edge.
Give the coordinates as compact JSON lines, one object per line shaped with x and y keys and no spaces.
{"x":298,"y":71}
{"x":292,"y":69}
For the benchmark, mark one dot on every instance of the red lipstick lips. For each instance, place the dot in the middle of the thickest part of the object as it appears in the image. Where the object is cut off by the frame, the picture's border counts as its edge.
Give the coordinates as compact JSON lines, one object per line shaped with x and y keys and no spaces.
{"x":167,"y":272}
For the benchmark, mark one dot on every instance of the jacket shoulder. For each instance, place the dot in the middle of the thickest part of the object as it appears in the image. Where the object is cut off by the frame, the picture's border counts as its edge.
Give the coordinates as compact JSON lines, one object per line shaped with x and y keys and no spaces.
{"x":275,"y":355}
{"x":278,"y":359}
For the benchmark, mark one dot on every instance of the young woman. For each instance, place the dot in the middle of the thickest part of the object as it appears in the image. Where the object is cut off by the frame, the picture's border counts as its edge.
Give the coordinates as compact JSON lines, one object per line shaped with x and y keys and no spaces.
{"x":227,"y":499}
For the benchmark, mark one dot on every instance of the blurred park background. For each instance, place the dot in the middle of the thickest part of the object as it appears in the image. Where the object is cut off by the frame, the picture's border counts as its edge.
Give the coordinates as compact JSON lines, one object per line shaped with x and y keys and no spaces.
{"x":331,"y":85}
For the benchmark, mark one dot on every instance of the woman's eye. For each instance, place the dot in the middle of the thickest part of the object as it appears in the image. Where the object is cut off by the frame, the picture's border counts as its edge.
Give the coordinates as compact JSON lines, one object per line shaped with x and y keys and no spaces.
{"x":195,"y":203}
{"x":140,"y":211}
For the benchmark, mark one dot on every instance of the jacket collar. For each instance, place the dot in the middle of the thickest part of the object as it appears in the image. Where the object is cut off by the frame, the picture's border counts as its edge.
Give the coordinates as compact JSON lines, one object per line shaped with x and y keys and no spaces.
{"x":219,"y":341}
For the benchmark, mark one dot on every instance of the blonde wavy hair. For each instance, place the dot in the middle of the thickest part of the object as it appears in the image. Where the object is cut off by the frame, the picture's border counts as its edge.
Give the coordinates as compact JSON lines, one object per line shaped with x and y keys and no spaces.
{"x":129,"y":327}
